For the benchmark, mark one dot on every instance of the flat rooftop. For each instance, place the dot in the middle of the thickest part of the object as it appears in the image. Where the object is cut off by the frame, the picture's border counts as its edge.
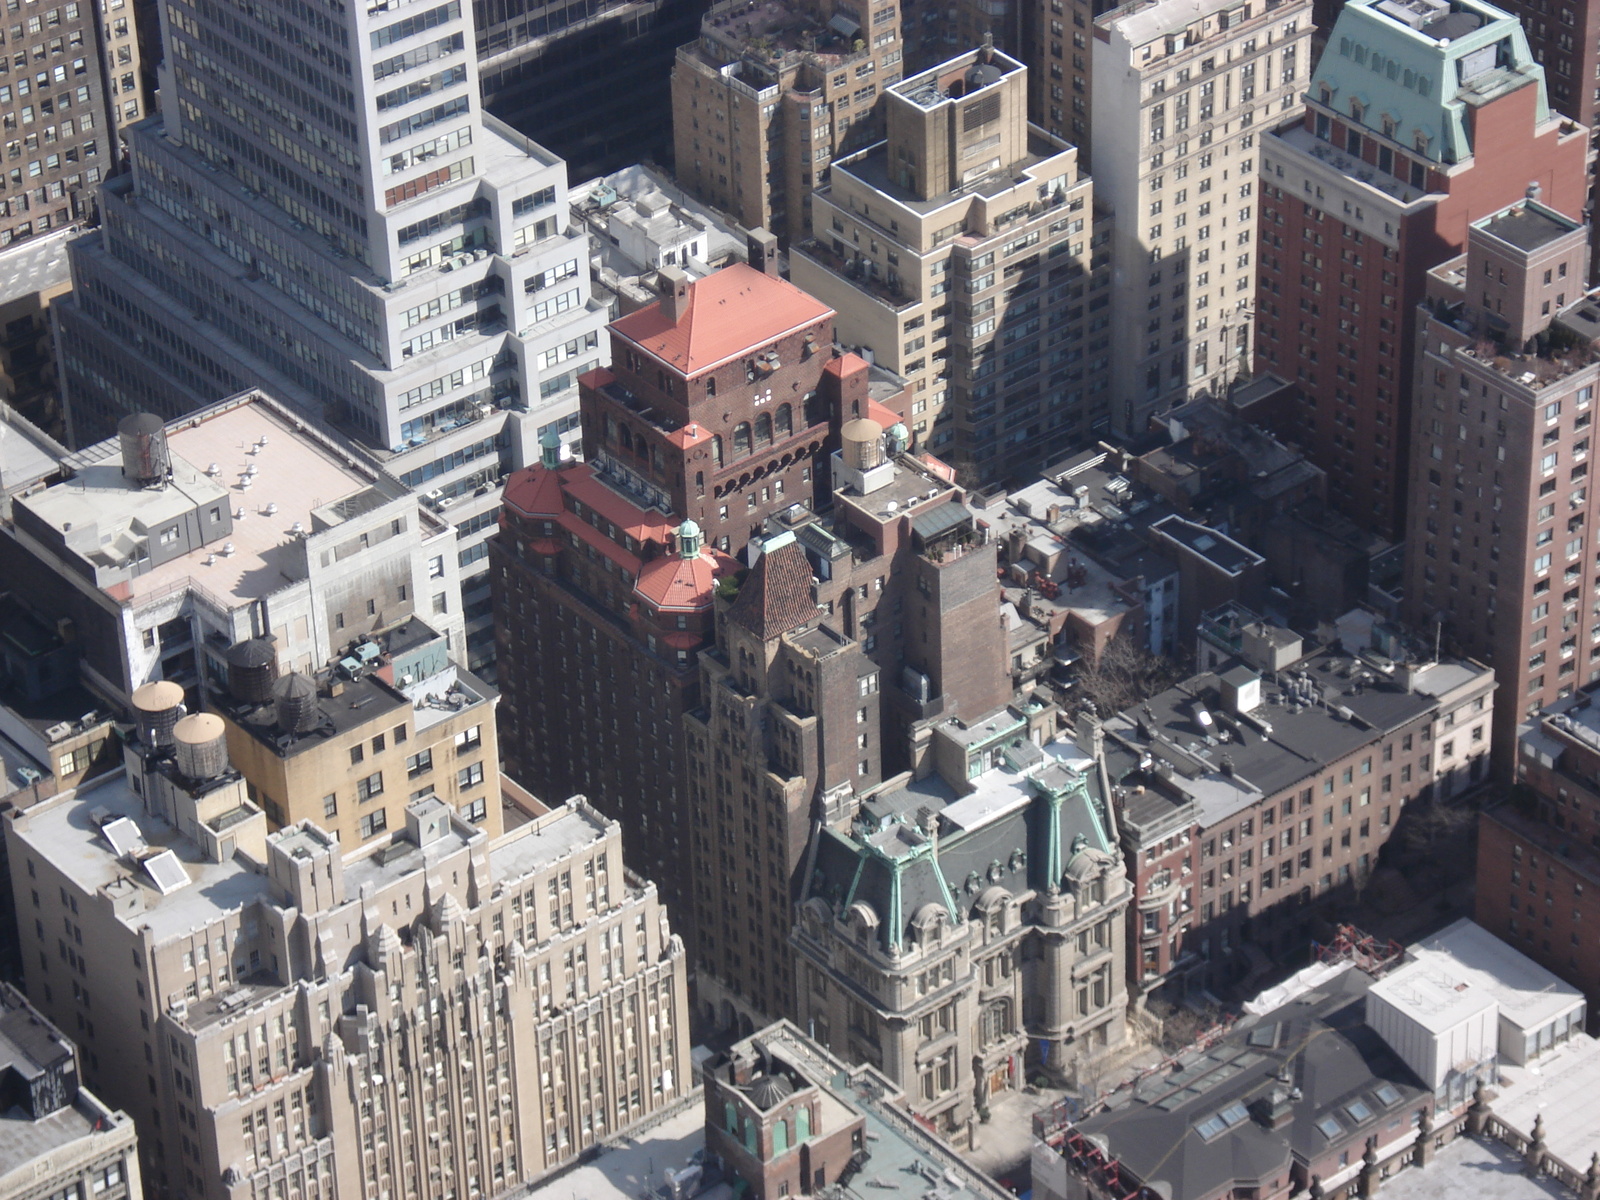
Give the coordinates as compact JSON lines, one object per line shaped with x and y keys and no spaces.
{"x":1563,"y":1086}
{"x":545,"y":839}
{"x":1527,"y":226}
{"x":1483,"y":1169}
{"x":24,"y":1140}
{"x":1528,"y":995}
{"x":65,"y":833}
{"x":36,"y":265}
{"x":637,"y":1164}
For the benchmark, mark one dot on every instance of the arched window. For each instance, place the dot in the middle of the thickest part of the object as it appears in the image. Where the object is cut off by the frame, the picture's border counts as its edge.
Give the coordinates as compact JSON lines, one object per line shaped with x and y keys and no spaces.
{"x":716,"y":449}
{"x":741,"y":439}
{"x":626,"y":438}
{"x":700,"y":483}
{"x":785,"y":422}
{"x":802,"y":1124}
{"x":780,"y":1137}
{"x":764,"y":429}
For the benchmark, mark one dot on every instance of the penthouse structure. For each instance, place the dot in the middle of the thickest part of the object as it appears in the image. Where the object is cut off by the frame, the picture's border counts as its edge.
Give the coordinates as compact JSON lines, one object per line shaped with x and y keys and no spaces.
{"x":486,"y":1008}
{"x":963,"y":929}
{"x":770,"y":94}
{"x":1273,"y":778}
{"x":57,"y":1138}
{"x":961,"y":251}
{"x":168,"y":544}
{"x":1508,"y":353}
{"x":1421,"y":118}
{"x":1181,"y":93}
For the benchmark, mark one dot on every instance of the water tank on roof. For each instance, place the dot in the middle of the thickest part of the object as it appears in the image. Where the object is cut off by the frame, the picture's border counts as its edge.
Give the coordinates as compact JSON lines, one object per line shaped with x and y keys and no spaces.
{"x":157,"y":707}
{"x":981,"y":75}
{"x":863,"y":444}
{"x":252,"y":670}
{"x":295,"y":698}
{"x":202,"y":746}
{"x":144,"y":448}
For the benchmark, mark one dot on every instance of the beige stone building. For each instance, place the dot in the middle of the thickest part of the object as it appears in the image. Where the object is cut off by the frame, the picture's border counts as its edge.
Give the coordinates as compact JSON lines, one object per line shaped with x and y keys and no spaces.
{"x":57,"y":1140}
{"x":960,"y":253}
{"x":771,"y":94}
{"x":439,"y":1013}
{"x":351,"y":746}
{"x":964,"y":929}
{"x":1181,"y":92}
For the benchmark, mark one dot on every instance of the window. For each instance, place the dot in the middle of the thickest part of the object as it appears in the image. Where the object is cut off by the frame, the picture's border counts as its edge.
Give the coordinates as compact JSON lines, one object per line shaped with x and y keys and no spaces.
{"x":470,"y":776}
{"x":419,"y":764}
{"x":357,"y":754}
{"x":374,"y":822}
{"x":467,"y":739}
{"x":369,"y":787}
{"x":330,"y":805}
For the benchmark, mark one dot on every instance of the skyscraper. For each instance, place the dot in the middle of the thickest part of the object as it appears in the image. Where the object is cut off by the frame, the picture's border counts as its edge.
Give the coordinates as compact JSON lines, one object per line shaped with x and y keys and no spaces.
{"x":1420,"y":118}
{"x":325,"y":210}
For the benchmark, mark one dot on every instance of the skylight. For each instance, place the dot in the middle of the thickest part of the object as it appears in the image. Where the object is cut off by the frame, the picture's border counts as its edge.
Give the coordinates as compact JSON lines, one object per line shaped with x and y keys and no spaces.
{"x":1330,"y":1127}
{"x":1358,"y":1110}
{"x":1388,"y":1094}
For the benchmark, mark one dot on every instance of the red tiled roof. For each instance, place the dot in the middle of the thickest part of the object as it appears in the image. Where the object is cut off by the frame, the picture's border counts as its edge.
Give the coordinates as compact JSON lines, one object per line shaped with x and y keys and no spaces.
{"x":776,"y":596}
{"x":729,"y":311}
{"x":676,"y":583}
{"x":628,"y":517}
{"x":536,"y":492}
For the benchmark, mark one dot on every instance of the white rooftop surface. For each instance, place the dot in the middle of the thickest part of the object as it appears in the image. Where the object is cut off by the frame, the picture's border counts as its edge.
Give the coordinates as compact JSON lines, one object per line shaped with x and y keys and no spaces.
{"x":632,"y":1167}
{"x":1528,"y":995}
{"x":542,"y":840}
{"x":26,"y":454}
{"x":1563,"y":1086}
{"x":64,"y":832}
{"x":1469,"y":1169}
{"x":35,"y":265}
{"x":1434,"y":993}
{"x":1148,"y":21}
{"x":999,"y":791}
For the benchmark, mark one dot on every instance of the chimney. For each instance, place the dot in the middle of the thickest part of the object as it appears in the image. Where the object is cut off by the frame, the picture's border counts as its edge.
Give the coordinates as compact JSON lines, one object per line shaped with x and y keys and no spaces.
{"x":674,"y":293}
{"x":1535,"y":190}
{"x":761,"y":248}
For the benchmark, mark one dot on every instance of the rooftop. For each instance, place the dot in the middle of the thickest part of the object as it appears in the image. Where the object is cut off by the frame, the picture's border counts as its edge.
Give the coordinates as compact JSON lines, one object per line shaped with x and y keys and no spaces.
{"x":27,"y":454}
{"x":1042,"y":160}
{"x":778,"y":33}
{"x":727,"y":313}
{"x":1527,"y":994}
{"x":36,"y":265}
{"x":1527,"y":225}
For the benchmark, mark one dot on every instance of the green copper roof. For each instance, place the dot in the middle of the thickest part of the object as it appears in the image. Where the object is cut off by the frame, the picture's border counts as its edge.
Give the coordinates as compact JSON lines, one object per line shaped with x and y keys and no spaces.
{"x":1416,"y":66}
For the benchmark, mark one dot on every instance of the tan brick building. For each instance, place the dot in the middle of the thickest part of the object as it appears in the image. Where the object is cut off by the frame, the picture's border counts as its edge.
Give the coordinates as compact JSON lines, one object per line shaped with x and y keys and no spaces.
{"x":771,"y":94}
{"x":438,"y":1013}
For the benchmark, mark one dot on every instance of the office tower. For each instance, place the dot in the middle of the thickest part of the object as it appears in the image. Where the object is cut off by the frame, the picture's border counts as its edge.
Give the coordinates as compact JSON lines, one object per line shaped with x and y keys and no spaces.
{"x":588,"y":81}
{"x":350,"y":744}
{"x":770,"y":94}
{"x":959,"y":251}
{"x":714,"y":416}
{"x":856,"y":631}
{"x":36,"y":275}
{"x":57,"y":1140}
{"x":1181,"y":93}
{"x":164,"y":546}
{"x":965,"y":930}
{"x":788,"y":1118}
{"x":437,"y":1013}
{"x":344,"y":227}
{"x":1498,"y":557}
{"x":1420,"y":119}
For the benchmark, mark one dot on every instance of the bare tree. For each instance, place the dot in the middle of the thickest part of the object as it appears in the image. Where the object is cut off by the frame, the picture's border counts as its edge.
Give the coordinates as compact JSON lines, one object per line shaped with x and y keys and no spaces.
{"x":1124,"y":674}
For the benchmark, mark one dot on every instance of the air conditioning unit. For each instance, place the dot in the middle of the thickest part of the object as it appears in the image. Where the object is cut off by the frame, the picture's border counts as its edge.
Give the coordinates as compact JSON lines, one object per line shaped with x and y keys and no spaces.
{"x":58,"y":731}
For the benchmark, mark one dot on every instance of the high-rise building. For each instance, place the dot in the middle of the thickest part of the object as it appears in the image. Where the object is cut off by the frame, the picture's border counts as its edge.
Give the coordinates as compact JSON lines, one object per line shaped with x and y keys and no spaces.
{"x":961,"y":252}
{"x":1420,"y":118}
{"x":1501,"y":437}
{"x":716,"y":414}
{"x":345,"y":227}
{"x":854,"y":634}
{"x":58,"y":1141}
{"x":161,"y":548}
{"x":1181,"y":93}
{"x":440,"y":1012}
{"x":964,"y":930}
{"x":1566,"y":41}
{"x":770,"y":94}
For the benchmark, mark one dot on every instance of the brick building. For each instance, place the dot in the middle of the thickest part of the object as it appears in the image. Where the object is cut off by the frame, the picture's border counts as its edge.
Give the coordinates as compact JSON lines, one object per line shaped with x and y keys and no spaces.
{"x":1501,"y":436}
{"x":852,"y":635}
{"x":1274,"y":778}
{"x":1539,"y":852}
{"x":1420,"y":118}
{"x":716,"y":416}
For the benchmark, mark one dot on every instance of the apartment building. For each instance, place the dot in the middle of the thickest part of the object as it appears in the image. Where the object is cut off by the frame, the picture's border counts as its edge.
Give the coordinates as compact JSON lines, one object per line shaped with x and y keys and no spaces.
{"x":438,"y":1012}
{"x":58,"y":1140}
{"x":961,"y":252}
{"x":1539,"y":854}
{"x":166,"y":545}
{"x":1506,"y":357}
{"x":350,"y":745}
{"x":1271,"y":781}
{"x":351,"y":232}
{"x":770,"y":94}
{"x":963,"y":930}
{"x":1181,"y":93}
{"x":1420,"y":118}
{"x":833,"y":658}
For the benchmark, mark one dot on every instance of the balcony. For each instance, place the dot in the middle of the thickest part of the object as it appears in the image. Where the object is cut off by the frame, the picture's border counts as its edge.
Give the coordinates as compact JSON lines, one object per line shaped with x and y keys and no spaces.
{"x":859,"y":273}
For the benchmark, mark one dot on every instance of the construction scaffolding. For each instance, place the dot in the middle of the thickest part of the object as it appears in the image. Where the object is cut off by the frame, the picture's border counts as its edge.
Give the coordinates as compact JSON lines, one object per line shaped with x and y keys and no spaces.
{"x":1367,"y":952}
